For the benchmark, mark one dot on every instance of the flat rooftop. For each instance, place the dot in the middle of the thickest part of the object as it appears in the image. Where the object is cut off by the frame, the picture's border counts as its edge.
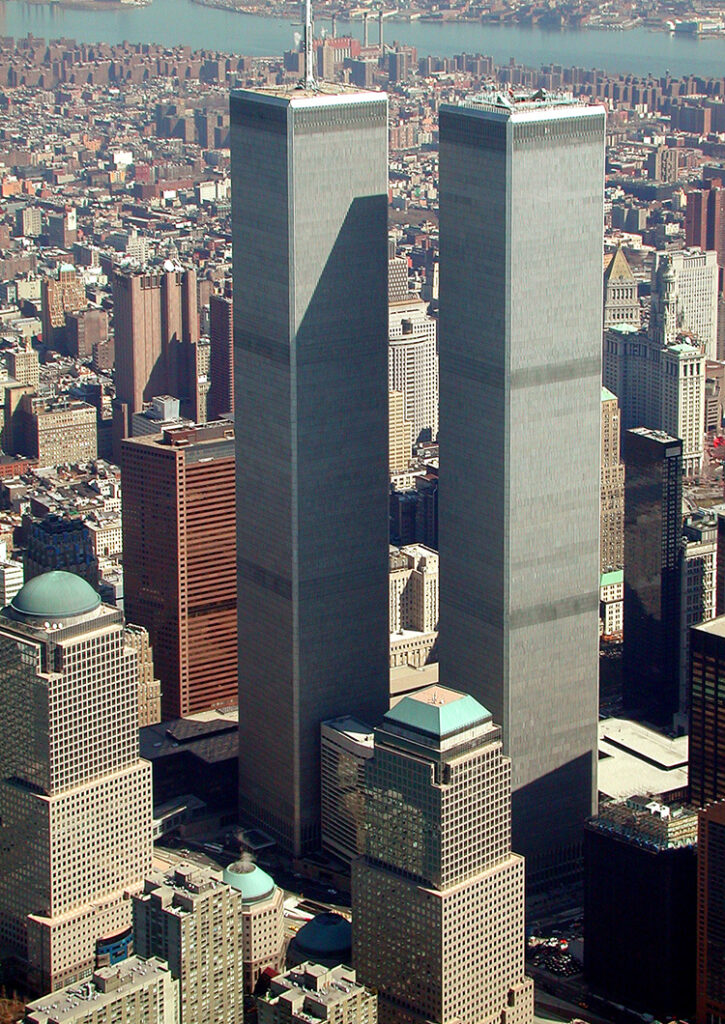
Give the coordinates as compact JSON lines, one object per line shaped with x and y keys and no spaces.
{"x":92,"y":996}
{"x":527,"y":105}
{"x":634,"y":758}
{"x":715,"y":626}
{"x":324,"y":94}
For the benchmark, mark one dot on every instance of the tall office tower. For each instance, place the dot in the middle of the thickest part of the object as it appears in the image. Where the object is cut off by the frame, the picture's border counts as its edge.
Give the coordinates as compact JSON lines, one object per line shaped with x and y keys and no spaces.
{"x":640,"y":879}
{"x":621,"y":298}
{"x":61,"y":295}
{"x":520,"y":356}
{"x":698,"y":568}
{"x":24,"y":366}
{"x":707,"y":712}
{"x":400,"y":434}
{"x":710,"y":972}
{"x":309,"y":217}
{"x":156,"y":335}
{"x":221,"y":357}
{"x":149,"y":687}
{"x":684,"y":297}
{"x":59,"y":543}
{"x":413,"y":364}
{"x":179,"y":564}
{"x":705,"y":219}
{"x":75,"y":799}
{"x":414,"y":589}
{"x":199,"y":925}
{"x":398,"y":290}
{"x":438,"y":899}
{"x":659,"y":386}
{"x":611,"y":524}
{"x":652,"y":531}
{"x":346,"y":745}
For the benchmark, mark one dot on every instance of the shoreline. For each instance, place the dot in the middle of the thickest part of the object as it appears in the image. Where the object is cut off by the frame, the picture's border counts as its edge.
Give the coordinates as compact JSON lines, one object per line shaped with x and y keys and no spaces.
{"x":290,"y":13}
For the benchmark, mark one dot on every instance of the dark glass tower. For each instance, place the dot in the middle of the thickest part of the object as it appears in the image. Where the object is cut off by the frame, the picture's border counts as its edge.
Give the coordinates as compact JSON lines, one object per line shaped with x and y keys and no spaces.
{"x":652,"y":531}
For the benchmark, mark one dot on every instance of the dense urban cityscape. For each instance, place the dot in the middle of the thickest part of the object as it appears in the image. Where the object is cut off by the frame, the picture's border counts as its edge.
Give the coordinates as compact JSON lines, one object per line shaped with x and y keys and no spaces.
{"x":290,"y":733}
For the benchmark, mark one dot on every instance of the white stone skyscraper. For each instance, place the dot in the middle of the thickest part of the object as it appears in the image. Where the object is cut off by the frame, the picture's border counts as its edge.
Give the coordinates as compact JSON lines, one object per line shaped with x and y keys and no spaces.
{"x":438,"y":898}
{"x":413,"y":364}
{"x":75,"y":798}
{"x":521,"y":224}
{"x":309,"y":219}
{"x":684,"y":297}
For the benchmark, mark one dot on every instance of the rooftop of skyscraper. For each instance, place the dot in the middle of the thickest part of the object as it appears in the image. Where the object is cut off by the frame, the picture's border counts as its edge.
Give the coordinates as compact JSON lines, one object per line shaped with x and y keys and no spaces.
{"x":438,"y":712}
{"x":523,"y":104}
{"x":323,"y":93}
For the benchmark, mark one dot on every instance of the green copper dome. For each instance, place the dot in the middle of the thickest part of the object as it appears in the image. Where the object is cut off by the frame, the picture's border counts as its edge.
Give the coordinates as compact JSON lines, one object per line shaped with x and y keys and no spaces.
{"x":253,"y":883}
{"x":55,"y":596}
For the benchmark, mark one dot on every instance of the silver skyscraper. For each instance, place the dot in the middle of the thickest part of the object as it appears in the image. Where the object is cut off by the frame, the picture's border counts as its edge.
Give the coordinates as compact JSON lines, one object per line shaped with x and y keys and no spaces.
{"x":521,"y":222}
{"x":309,"y":208}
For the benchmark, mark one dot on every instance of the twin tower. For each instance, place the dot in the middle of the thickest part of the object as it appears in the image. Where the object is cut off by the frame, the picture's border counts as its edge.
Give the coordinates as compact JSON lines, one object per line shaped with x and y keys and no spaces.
{"x":521,"y":223}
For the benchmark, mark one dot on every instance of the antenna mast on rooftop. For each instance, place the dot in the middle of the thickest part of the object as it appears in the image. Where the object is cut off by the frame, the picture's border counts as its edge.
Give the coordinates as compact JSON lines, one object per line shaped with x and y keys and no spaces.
{"x":309,"y":79}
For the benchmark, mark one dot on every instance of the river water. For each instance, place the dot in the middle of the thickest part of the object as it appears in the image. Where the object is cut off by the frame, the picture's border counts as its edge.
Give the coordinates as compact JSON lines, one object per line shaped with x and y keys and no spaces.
{"x":181,"y":22}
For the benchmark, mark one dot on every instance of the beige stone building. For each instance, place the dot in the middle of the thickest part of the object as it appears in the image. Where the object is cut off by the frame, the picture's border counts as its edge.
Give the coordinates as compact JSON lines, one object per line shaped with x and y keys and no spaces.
{"x":149,"y":687}
{"x":621,"y":298}
{"x":311,"y":993}
{"x":216,"y":936}
{"x":57,"y":431}
{"x":611,"y":527}
{"x":400,"y":434}
{"x":134,"y":991}
{"x":413,"y":595}
{"x":345,"y":746}
{"x":106,"y":536}
{"x":438,"y":899}
{"x":75,"y":799}
{"x":23,"y":366}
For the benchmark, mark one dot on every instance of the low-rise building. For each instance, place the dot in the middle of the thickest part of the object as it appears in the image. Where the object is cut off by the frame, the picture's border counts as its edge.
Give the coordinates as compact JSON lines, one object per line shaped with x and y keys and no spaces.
{"x":311,"y":993}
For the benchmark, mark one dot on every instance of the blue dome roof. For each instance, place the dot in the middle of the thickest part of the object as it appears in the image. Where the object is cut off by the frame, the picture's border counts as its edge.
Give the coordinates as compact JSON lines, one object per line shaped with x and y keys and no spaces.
{"x":55,"y":595}
{"x":253,"y":883}
{"x":324,"y":936}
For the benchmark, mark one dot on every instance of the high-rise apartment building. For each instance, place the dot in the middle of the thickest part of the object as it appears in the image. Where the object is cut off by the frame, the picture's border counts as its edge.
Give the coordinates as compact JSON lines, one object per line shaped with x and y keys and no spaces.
{"x":438,"y":899}
{"x":179,"y":560}
{"x":199,"y":925}
{"x":659,"y":386}
{"x":621,"y":297}
{"x":684,"y":297}
{"x":707,"y":712}
{"x":75,"y":799}
{"x":309,"y":218}
{"x":220,"y":400}
{"x":413,"y":364}
{"x":710,"y":977}
{"x":652,"y":532}
{"x":520,"y":356}
{"x":611,"y":524}
{"x":156,"y":334}
{"x":134,"y":991}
